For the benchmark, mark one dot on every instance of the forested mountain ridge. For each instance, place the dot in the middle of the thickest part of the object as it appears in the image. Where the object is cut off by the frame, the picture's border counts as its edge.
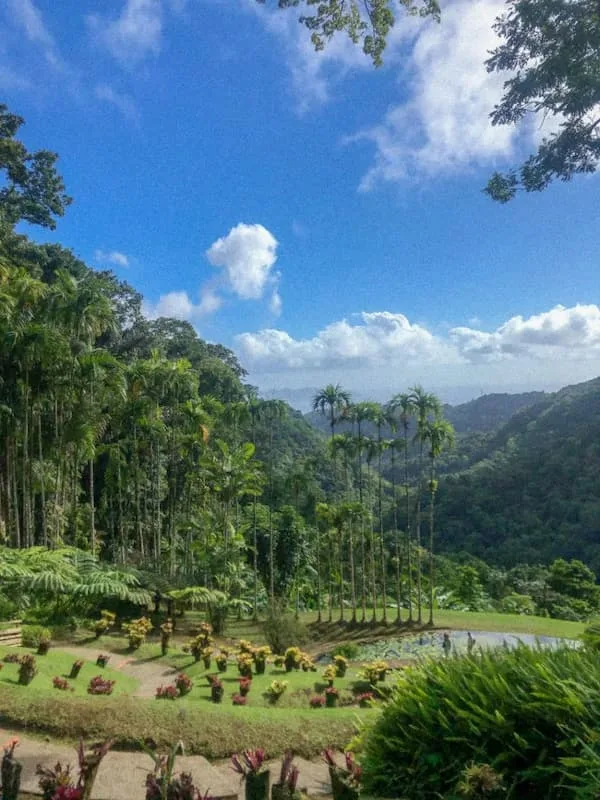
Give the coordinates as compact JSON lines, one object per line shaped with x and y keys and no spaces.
{"x":534,"y":492}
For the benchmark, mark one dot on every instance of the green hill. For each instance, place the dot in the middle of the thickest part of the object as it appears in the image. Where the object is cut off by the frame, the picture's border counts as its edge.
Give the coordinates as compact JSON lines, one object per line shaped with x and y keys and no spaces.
{"x":533,"y":491}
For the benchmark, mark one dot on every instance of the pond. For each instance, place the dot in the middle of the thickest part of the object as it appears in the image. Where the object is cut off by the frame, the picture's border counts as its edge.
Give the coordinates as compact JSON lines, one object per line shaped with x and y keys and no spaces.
{"x":430,"y":644}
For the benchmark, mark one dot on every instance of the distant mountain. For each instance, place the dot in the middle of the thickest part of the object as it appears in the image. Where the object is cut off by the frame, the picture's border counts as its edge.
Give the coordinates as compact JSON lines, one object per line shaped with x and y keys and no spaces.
{"x":532,"y":491}
{"x":490,"y":411}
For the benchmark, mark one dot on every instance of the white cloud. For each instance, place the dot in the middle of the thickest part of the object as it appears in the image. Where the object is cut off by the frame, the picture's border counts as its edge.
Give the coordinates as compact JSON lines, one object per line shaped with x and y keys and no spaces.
{"x":28,"y":17}
{"x":180,"y":306}
{"x":375,"y":339}
{"x":561,"y":332}
{"x":382,"y":338}
{"x":275,"y":303}
{"x":111,"y":257}
{"x":135,"y":34}
{"x":123,"y":102}
{"x":312,"y":74}
{"x":247,"y":254}
{"x":383,"y":352}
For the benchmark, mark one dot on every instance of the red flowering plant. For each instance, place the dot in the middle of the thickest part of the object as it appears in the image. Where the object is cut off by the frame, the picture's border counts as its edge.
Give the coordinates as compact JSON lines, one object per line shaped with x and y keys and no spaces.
{"x":365,"y":699}
{"x":60,"y":683}
{"x":166,"y":693}
{"x":100,"y":685}
{"x":184,"y":684}
{"x":245,"y":686}
{"x":286,"y":786}
{"x":249,"y":762}
{"x":59,"y":784}
{"x":318,"y":701}
{"x":239,"y":700}
{"x":345,"y":780}
{"x":10,"y":771}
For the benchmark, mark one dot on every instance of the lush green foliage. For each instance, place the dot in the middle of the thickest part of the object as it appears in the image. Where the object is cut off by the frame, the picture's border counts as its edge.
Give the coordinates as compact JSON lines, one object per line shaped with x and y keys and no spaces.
{"x":525,"y":712}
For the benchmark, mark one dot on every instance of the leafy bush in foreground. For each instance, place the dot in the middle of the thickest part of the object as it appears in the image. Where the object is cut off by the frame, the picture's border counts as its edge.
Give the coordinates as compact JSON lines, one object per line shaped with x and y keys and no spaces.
{"x":531,"y":715}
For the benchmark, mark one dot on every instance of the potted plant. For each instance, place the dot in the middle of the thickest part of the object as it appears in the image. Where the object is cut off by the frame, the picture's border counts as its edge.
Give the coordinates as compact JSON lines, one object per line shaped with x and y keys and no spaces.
{"x":365,"y":700}
{"x":276,"y":689}
{"x":330,"y":674}
{"x":221,"y":662}
{"x":183,"y":684}
{"x":246,"y":647}
{"x":27,"y":669}
{"x":58,"y":783}
{"x":162,"y":783}
{"x":102,"y":660}
{"x":10,"y":772}
{"x":75,"y":669}
{"x":260,"y":659}
{"x":216,"y":690}
{"x":341,"y":665}
{"x":100,"y":685}
{"x":292,"y":658}
{"x":166,"y":631}
{"x":250,"y":765}
{"x":331,"y":697}
{"x":239,"y":699}
{"x":286,"y":786}
{"x":244,"y":663}
{"x":137,"y":630}
{"x":318,"y":701}
{"x":205,"y":655}
{"x":345,"y":781}
{"x":245,"y":686}
{"x":43,"y":646}
{"x":60,"y":683}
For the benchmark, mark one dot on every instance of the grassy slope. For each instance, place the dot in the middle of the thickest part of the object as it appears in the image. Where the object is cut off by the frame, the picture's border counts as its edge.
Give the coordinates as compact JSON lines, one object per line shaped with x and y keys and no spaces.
{"x":58,"y":663}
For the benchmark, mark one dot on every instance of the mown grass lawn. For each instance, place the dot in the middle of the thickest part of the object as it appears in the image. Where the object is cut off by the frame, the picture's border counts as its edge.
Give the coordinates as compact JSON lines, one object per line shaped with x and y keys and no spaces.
{"x":58,"y":664}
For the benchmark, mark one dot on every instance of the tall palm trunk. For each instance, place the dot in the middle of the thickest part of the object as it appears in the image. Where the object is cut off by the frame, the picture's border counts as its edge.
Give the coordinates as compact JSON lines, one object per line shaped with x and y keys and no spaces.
{"x":418,"y":537}
{"x":432,"y":491}
{"x":396,"y":540}
{"x":42,"y":480}
{"x":372,"y":544}
{"x":363,"y":588}
{"x":408,"y":536}
{"x":381,"y":536}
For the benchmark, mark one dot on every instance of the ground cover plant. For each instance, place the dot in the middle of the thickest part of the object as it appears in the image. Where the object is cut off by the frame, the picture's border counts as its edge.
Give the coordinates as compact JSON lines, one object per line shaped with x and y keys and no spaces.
{"x":527,"y":713}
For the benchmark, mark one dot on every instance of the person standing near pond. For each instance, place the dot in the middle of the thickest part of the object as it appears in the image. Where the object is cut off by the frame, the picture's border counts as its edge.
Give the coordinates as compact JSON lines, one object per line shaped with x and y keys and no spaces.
{"x":446,"y":644}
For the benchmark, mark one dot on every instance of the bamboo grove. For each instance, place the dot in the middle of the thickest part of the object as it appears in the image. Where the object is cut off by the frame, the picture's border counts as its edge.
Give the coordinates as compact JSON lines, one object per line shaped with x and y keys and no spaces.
{"x":137,"y":442}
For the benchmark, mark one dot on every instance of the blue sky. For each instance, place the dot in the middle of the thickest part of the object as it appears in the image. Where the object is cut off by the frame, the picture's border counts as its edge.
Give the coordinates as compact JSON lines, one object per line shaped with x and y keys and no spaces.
{"x":322,"y":218}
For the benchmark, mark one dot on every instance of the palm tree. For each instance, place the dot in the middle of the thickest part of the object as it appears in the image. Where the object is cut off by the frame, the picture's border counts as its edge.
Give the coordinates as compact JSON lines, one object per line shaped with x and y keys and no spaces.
{"x":272,"y":411}
{"x":382,"y":416}
{"x":404,"y":405}
{"x":439,"y":433}
{"x":331,"y":400}
{"x":426,"y":406}
{"x":396,"y":446}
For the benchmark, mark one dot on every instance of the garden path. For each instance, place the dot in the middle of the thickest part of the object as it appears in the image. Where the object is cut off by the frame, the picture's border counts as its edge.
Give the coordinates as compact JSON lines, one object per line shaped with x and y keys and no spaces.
{"x":149,"y":672}
{"x":122,"y":775}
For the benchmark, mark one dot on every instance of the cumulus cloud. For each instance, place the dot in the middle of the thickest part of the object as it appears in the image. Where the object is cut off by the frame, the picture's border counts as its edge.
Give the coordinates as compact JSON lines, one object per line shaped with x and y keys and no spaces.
{"x":379,"y":339}
{"x":132,"y":36}
{"x":374,"y":339}
{"x":179,"y":305}
{"x":561,"y":331}
{"x":123,"y":102}
{"x":247,"y":255}
{"x":111,"y":257}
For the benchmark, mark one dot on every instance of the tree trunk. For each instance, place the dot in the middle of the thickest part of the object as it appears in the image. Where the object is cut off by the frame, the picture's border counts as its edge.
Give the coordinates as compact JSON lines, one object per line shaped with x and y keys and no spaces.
{"x":42,"y":481}
{"x":432,"y":489}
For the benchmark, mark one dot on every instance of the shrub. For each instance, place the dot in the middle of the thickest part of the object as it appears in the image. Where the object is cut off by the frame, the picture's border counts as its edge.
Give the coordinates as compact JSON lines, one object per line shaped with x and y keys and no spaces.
{"x":330,"y":674}
{"x":106,"y":621}
{"x":318,"y":701}
{"x":221,"y":662}
{"x":283,"y":630}
{"x":375,"y":671}
{"x":292,"y":658}
{"x":275,"y":690}
{"x":591,"y":636}
{"x":239,"y":699}
{"x":60,"y":683}
{"x":244,"y":664}
{"x":341,"y":665}
{"x":137,"y":630}
{"x":166,"y":693}
{"x":166,"y":631}
{"x":32,"y":634}
{"x":245,"y":686}
{"x":27,"y":669}
{"x":184,"y":684}
{"x":525,"y":712}
{"x":100,"y":685}
{"x":11,"y":658}
{"x":349,"y":650}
